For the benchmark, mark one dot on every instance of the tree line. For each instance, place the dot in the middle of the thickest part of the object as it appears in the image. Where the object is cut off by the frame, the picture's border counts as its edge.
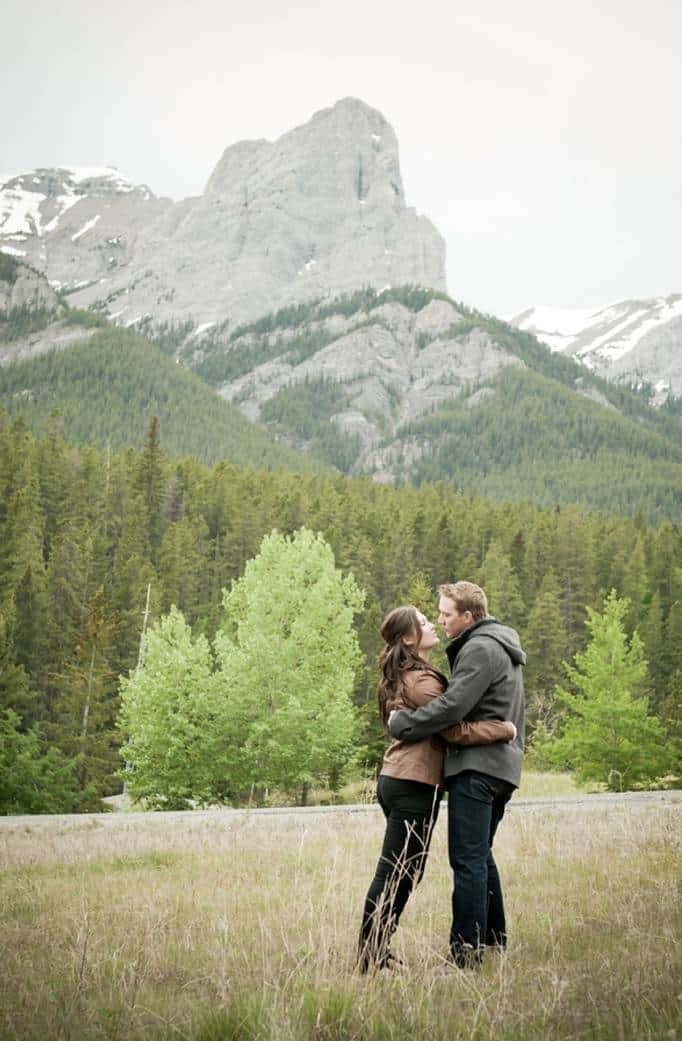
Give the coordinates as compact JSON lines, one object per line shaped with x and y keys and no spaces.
{"x":92,"y":539}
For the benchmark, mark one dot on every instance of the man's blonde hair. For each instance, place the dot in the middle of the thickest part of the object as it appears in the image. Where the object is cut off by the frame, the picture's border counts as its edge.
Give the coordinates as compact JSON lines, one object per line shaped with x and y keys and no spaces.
{"x":466,"y":597}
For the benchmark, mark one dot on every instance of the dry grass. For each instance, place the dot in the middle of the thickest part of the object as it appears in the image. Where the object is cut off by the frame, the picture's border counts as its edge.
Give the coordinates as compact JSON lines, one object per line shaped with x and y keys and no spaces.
{"x":244,"y":929}
{"x":363,"y":790}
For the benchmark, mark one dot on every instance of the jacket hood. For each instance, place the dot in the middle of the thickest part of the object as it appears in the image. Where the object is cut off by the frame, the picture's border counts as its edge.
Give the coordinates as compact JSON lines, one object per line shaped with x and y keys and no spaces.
{"x":491,"y":629}
{"x":505,"y":636}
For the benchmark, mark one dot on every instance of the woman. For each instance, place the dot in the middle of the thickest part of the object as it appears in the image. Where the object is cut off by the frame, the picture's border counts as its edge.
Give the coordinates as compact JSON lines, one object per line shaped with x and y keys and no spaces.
{"x":411,"y":778}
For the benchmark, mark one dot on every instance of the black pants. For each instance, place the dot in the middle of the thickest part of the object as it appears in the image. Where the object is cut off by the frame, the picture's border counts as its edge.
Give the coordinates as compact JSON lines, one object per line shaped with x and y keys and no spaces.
{"x":411,"y":810}
{"x":476,"y":805}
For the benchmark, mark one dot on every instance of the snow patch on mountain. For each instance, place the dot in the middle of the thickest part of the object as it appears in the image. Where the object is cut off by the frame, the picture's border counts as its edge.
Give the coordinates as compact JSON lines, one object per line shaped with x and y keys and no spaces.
{"x":27,"y":201}
{"x":64,"y":203}
{"x":612,"y":330}
{"x":555,"y":327}
{"x":20,"y":211}
{"x":633,"y":340}
{"x":118,"y":181}
{"x":86,"y":227}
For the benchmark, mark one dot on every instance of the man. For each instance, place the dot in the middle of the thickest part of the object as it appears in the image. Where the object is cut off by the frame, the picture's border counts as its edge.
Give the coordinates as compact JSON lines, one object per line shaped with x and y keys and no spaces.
{"x":486,"y":661}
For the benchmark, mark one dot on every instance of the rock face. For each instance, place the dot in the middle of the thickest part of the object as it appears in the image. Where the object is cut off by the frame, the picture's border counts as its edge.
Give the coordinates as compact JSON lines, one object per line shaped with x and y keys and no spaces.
{"x":21,"y":286}
{"x":389,"y":366}
{"x":632,"y":342}
{"x":316,"y":213}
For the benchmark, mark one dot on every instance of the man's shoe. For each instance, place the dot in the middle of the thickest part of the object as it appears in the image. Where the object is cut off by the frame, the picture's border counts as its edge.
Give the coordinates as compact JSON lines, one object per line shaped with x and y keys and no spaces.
{"x":390,"y":963}
{"x":466,"y":956}
{"x":387,"y":963}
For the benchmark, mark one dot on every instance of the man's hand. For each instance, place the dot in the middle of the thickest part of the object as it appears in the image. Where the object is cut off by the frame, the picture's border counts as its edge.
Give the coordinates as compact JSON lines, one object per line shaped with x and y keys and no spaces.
{"x":515,"y":731}
{"x":398,"y":720}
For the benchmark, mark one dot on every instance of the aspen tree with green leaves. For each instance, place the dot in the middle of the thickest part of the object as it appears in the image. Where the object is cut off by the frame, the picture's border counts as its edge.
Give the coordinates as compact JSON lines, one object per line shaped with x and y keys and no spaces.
{"x":288,"y":657}
{"x":276,"y":712}
{"x":168,"y":718}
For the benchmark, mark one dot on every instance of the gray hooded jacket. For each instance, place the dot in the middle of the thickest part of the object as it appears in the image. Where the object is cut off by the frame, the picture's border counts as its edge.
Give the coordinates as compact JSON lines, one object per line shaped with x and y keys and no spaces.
{"x":486,"y":683}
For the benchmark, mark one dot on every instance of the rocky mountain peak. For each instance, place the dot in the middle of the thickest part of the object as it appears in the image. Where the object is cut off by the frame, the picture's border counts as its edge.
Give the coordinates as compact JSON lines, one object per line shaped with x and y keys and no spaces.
{"x":319,"y":212}
{"x":344,"y":156}
{"x":237,"y":164}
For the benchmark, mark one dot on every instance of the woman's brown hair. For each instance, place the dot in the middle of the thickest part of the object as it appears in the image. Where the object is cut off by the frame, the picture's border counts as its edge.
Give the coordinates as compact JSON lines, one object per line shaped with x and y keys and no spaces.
{"x":397,"y":657}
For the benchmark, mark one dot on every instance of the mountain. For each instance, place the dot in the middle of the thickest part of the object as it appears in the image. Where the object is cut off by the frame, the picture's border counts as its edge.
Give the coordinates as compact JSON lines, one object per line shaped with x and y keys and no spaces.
{"x":77,"y":226}
{"x":108,"y":387}
{"x":409,"y":385}
{"x":404,"y":385}
{"x":632,"y":342}
{"x":318,"y":212}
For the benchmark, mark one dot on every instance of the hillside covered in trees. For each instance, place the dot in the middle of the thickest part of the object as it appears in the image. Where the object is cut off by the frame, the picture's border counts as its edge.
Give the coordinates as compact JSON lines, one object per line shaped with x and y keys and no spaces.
{"x":404,"y":385}
{"x":84,"y":534}
{"x":500,"y":415}
{"x":107,"y":389}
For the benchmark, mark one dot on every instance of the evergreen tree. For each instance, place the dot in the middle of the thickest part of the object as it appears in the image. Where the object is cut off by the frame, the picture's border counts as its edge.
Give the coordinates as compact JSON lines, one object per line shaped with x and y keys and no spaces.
{"x":87,"y":704}
{"x":54,"y":478}
{"x":653,"y":635}
{"x":184,"y":566}
{"x":422,"y":595}
{"x":501,"y":585}
{"x":23,"y":598}
{"x":538,"y":555}
{"x":15,"y":693}
{"x":635,"y":584}
{"x":545,"y":643}
{"x":33,"y":778}
{"x":31,"y":613}
{"x":69,"y":579}
{"x":672,"y":710}
{"x":150,"y":482}
{"x":665,"y":570}
{"x":575,"y":573}
{"x":133,"y":573}
{"x":608,"y":735}
{"x":671,"y":647}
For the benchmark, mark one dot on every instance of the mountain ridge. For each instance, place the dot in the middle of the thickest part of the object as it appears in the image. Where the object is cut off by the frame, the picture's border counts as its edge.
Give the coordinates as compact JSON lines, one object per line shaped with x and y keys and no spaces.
{"x":404,"y":385}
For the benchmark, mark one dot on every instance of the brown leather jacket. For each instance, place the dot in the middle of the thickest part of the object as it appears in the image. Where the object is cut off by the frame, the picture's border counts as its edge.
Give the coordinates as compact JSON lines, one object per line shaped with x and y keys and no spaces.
{"x":423,"y":760}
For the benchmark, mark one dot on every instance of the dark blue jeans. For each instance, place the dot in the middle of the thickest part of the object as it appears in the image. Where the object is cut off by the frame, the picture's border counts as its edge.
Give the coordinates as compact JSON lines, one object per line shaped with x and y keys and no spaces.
{"x":476,"y":804}
{"x":411,"y":810}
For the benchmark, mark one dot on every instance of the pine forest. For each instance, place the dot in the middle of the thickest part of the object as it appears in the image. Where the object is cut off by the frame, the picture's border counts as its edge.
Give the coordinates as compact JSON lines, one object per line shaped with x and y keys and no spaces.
{"x":97,"y":545}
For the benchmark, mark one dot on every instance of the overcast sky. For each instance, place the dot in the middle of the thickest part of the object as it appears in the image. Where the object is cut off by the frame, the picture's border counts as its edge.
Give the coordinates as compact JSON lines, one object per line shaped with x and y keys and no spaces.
{"x":543,"y":139}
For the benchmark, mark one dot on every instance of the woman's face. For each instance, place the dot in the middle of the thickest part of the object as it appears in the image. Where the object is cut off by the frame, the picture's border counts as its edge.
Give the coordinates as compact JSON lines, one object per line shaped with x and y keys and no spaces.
{"x":429,"y":637}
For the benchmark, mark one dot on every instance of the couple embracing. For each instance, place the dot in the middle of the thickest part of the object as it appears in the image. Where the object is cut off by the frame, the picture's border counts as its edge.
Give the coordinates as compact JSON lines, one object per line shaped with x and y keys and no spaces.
{"x":464,"y":736}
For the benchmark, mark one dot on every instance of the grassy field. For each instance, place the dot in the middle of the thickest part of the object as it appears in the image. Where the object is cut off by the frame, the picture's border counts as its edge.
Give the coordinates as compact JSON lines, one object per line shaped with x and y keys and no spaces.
{"x":533,"y":783}
{"x":244,"y":930}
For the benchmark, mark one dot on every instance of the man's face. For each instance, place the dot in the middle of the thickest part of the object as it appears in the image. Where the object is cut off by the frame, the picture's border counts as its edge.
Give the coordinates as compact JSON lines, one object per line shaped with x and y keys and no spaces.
{"x":452,"y":621}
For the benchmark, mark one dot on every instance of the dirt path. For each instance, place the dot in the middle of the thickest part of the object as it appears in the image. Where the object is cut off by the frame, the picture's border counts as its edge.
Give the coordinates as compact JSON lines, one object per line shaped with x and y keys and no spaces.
{"x":570,"y":804}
